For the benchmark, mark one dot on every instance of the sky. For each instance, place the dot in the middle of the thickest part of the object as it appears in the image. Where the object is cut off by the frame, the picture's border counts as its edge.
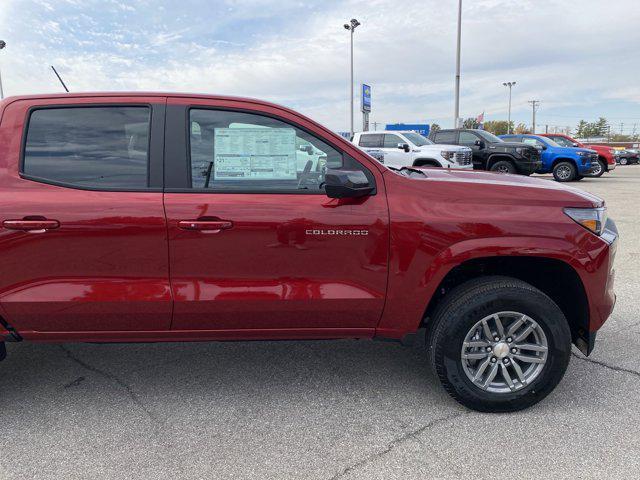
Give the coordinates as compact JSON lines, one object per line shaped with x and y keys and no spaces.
{"x":580,"y":58}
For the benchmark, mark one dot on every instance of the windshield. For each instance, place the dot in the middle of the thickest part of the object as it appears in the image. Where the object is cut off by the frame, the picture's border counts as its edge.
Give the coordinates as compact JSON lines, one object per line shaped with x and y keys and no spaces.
{"x":550,"y":142}
{"x":417,"y":139}
{"x":488,"y":137}
{"x":564,"y":142}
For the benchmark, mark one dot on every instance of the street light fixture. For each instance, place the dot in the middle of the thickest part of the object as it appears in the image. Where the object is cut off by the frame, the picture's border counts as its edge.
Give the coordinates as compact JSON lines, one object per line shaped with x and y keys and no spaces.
{"x":2,"y":45}
{"x":351,"y":26}
{"x":509,"y":84}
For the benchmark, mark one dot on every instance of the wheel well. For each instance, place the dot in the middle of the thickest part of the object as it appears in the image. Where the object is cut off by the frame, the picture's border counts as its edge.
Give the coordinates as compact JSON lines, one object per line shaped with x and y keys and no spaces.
{"x":421,"y":162}
{"x":493,"y":159}
{"x":555,"y":278}
{"x":558,"y":160}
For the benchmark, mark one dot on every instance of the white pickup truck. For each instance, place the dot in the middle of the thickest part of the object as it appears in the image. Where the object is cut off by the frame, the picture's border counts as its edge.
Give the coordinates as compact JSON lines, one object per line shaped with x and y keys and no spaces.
{"x":405,"y":149}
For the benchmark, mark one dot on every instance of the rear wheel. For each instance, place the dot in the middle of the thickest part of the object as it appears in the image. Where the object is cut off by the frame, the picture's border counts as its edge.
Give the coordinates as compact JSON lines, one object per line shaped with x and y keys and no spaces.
{"x":565,"y":172}
{"x":624,"y":161}
{"x":598,"y":168}
{"x":503,"y":166}
{"x":497,"y":344}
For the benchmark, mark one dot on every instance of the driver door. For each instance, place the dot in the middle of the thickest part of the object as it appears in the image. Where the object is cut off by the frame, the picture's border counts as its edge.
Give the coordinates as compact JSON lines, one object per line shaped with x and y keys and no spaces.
{"x":255,"y":245}
{"x":393,"y":155}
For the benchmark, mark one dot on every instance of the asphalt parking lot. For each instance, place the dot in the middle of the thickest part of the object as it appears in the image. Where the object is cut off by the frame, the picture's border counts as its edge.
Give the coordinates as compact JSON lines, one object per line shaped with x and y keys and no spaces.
{"x":321,"y":410}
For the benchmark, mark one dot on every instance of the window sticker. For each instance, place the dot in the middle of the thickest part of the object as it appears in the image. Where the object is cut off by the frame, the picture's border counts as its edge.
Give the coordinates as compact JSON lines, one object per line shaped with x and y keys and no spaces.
{"x":255,"y":154}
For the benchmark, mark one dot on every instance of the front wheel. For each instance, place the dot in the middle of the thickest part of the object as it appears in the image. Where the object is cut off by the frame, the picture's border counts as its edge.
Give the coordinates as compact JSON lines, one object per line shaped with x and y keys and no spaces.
{"x":624,"y":161}
{"x":503,"y":166}
{"x":498,"y":344}
{"x":598,"y":168}
{"x":565,"y":172}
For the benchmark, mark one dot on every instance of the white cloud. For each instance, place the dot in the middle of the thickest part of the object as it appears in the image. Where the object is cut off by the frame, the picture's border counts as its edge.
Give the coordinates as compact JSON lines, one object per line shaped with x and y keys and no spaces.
{"x":573,"y":55}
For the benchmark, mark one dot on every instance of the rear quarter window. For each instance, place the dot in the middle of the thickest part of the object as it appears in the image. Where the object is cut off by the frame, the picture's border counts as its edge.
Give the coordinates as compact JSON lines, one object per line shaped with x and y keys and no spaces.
{"x":95,"y":147}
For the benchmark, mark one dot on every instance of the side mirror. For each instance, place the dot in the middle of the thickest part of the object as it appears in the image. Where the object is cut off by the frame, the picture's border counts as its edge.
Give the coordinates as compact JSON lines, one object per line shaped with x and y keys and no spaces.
{"x":575,"y":144}
{"x":404,"y":146}
{"x":346,"y":184}
{"x":479,"y":143}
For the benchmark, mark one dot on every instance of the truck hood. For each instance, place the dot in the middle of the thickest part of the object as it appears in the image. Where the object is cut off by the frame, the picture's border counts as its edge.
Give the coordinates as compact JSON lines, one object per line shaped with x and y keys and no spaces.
{"x":508,"y":189}
{"x":571,"y":151}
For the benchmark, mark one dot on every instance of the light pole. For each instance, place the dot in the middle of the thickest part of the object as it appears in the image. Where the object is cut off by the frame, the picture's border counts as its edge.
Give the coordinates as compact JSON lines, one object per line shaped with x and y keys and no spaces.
{"x":456,"y":113}
{"x":2,"y":45}
{"x":509,"y":84}
{"x":534,"y":107}
{"x":351,"y":26}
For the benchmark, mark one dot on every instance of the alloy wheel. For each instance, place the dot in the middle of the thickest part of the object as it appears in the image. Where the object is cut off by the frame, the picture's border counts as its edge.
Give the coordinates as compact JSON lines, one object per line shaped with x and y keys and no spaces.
{"x":504,"y":352}
{"x":563,"y":172}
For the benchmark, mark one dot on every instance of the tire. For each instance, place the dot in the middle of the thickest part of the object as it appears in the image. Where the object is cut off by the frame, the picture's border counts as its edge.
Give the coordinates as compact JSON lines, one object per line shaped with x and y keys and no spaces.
{"x":503,"y":166}
{"x":598,"y":169}
{"x":624,"y":161}
{"x":465,"y":307}
{"x":565,"y":172}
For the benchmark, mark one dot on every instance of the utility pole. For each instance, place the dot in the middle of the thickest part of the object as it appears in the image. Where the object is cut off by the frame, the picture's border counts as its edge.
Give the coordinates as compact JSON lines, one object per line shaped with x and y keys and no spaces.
{"x":375,"y":126}
{"x":510,"y":85}
{"x":351,"y":26}
{"x":456,"y":112}
{"x":534,"y":107}
{"x":621,"y":127}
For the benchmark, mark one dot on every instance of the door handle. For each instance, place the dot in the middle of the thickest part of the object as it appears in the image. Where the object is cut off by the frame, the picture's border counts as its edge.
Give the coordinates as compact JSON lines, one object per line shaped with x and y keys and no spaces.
{"x":205,"y":225}
{"x":35,"y":226}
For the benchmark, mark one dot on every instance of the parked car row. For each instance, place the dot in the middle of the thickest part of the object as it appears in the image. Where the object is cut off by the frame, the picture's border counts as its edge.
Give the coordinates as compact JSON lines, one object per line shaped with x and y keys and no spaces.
{"x":564,"y":157}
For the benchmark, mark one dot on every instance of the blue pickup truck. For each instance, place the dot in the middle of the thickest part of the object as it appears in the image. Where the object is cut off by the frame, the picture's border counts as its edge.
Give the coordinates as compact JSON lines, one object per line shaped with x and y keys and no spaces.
{"x":566,"y":164}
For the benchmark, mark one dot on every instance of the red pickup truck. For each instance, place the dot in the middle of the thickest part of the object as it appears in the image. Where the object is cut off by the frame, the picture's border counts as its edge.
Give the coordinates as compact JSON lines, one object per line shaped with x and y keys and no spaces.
{"x":162,"y":217}
{"x":606,"y":159}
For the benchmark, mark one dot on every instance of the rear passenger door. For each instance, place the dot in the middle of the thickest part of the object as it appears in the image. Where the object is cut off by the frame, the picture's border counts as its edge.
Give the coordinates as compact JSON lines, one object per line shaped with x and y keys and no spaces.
{"x":84,"y":235}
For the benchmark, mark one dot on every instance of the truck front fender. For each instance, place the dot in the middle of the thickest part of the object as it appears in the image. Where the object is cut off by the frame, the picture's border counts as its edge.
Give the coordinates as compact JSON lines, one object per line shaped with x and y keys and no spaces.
{"x":409,"y":292}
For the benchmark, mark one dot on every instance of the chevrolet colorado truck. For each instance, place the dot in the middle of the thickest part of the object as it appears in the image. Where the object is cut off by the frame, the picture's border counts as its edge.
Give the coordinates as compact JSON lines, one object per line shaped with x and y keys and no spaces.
{"x":567,"y":164}
{"x":606,"y":161}
{"x":147,"y":217}
{"x":490,"y":152}
{"x":403,"y":148}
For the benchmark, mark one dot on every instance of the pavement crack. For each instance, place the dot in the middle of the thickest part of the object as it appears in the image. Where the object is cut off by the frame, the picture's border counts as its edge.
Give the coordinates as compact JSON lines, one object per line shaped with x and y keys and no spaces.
{"x":110,"y":376}
{"x":396,"y":442}
{"x":606,"y":365}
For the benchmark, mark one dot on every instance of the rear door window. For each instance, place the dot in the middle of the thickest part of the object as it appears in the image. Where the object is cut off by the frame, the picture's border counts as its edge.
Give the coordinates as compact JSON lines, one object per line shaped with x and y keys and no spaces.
{"x":468,"y":138}
{"x":94,"y":147}
{"x":371,"y":140}
{"x":445,"y":137}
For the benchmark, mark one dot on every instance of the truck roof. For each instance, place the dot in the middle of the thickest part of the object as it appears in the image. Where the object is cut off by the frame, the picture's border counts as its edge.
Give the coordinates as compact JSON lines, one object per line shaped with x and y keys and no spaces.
{"x":45,"y":96}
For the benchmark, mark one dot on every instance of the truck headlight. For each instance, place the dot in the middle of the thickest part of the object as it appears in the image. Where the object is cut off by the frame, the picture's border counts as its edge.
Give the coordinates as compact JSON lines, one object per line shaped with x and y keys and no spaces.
{"x":592,"y":219}
{"x":581,"y":153}
{"x":446,"y":154}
